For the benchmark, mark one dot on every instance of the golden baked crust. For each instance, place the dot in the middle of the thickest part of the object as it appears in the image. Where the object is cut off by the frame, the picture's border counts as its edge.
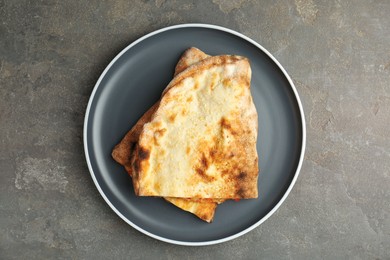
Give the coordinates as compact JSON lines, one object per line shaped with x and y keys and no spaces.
{"x":201,"y":140}
{"x":190,"y":57}
{"x":123,"y":150}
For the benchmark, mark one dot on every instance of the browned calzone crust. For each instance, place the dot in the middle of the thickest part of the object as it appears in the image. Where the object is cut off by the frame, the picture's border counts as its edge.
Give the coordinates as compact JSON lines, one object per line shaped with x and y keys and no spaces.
{"x":228,"y":154}
{"x":201,"y":140}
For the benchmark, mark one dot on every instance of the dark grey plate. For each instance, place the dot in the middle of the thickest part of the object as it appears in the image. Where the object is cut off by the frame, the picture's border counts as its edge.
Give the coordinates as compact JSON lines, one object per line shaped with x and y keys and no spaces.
{"x":133,"y":82}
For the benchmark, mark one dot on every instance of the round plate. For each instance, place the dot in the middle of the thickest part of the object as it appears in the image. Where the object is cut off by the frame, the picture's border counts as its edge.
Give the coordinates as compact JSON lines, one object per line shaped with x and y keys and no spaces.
{"x":134,"y":81}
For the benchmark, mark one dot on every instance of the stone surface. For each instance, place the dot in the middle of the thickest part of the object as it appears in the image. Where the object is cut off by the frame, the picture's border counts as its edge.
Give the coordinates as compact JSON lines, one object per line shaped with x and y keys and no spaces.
{"x":337,"y":52}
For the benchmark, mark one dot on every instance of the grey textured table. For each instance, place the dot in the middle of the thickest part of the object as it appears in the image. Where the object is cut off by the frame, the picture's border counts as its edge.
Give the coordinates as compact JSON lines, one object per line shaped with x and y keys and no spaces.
{"x":338,"y":54}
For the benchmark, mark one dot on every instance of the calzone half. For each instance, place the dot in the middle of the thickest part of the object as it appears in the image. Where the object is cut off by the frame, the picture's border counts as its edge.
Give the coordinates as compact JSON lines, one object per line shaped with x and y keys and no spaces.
{"x":200,"y":142}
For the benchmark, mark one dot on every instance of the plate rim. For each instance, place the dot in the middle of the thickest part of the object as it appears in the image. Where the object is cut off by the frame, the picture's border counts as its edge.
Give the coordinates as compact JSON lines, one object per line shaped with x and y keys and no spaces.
{"x":303,"y":124}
